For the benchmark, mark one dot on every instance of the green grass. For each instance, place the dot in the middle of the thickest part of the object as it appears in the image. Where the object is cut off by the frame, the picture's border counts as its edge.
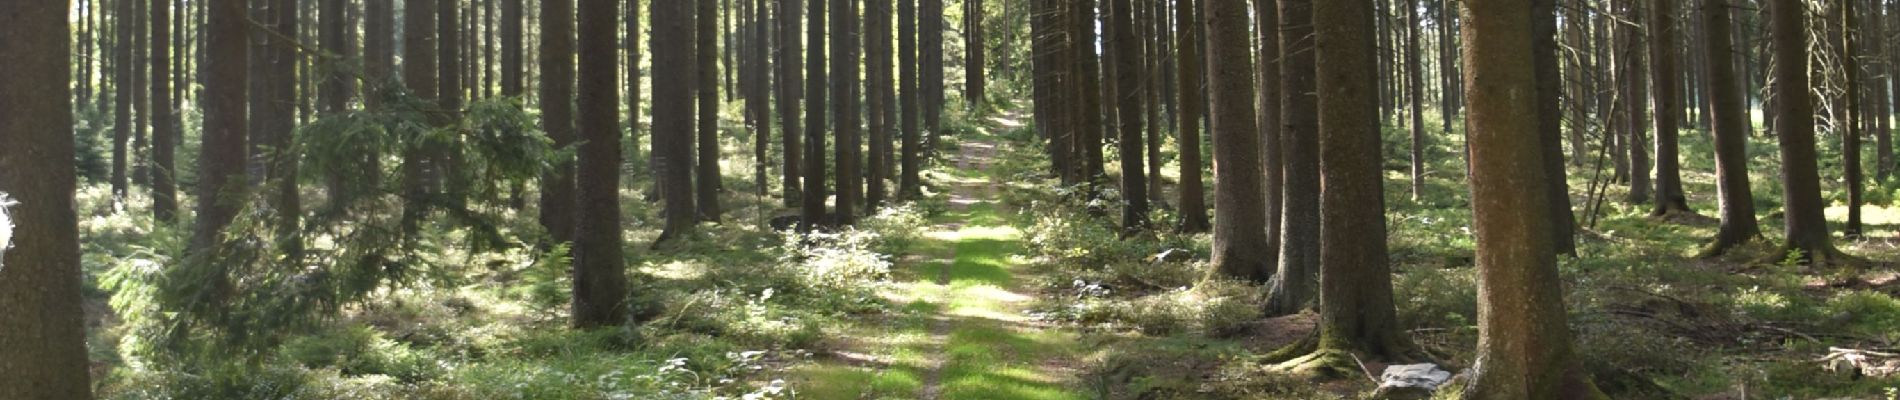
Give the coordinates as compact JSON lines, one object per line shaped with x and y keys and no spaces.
{"x":993,"y":353}
{"x":990,"y":350}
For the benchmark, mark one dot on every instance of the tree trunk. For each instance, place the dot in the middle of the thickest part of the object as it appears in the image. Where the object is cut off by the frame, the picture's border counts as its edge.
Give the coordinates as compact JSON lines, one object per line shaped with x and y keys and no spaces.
{"x":1150,"y":100}
{"x":1272,"y":125}
{"x":334,"y":89}
{"x":1090,"y":67}
{"x":454,"y":81}
{"x":707,"y":167}
{"x":600,"y":279}
{"x":930,"y":36}
{"x":1292,"y":288}
{"x":1731,"y":128}
{"x":1851,"y":112}
{"x":42,"y":323}
{"x":674,"y":93}
{"x":379,"y":53}
{"x":1882,"y":111}
{"x":877,"y":88}
{"x":1524,"y":346}
{"x":1128,"y":81}
{"x":122,"y":84}
{"x":1415,"y":85}
{"x":1240,"y":249}
{"x":511,"y":49}
{"x":974,"y":65}
{"x":277,"y":116}
{"x":1550,"y":125}
{"x":1581,"y":91}
{"x":760,"y":100}
{"x":1669,"y":198}
{"x":634,"y":87}
{"x":487,"y":65}
{"x":138,"y":156}
{"x":1193,"y":205}
{"x":165,"y":125}
{"x":790,"y":92}
{"x":1356,"y":311}
{"x":844,"y":114}
{"x":1806,"y":227}
{"x":221,"y":153}
{"x":419,"y":73}
{"x":813,"y":210}
{"x":909,"y":185}
{"x":557,"y":115}
{"x":1636,"y":100}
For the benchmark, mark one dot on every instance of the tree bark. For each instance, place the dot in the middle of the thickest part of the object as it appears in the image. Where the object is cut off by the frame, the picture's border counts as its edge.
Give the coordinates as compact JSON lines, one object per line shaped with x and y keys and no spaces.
{"x":139,"y":156}
{"x":634,"y":86}
{"x":1852,"y":115}
{"x":813,"y":210}
{"x":221,"y":153}
{"x":1416,"y":93}
{"x":1292,"y":288}
{"x":1355,"y":299}
{"x":1240,"y":249}
{"x":790,"y":92}
{"x":844,"y":115}
{"x":511,"y":48}
{"x":1272,"y":125}
{"x":1193,"y":205}
{"x":674,"y":93}
{"x":122,"y":85}
{"x":930,"y":37}
{"x":453,"y":76}
{"x":334,"y":89}
{"x":1635,"y":100}
{"x":1731,"y":128}
{"x":974,"y":65}
{"x":419,"y":73}
{"x":1128,"y":80}
{"x":877,"y":88}
{"x":1088,"y":110}
{"x":1882,"y":108}
{"x":1806,"y":227}
{"x":1150,"y":100}
{"x":600,"y":278}
{"x":707,"y":167}
{"x":277,"y":117}
{"x":1663,"y":29}
{"x":1524,"y":345}
{"x":557,"y":115}
{"x":42,"y":323}
{"x":165,"y":125}
{"x":909,"y":184}
{"x":1550,"y":125}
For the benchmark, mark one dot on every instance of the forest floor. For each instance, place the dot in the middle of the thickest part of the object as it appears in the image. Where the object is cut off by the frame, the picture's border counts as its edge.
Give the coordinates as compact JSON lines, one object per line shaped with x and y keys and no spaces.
{"x":968,"y":334}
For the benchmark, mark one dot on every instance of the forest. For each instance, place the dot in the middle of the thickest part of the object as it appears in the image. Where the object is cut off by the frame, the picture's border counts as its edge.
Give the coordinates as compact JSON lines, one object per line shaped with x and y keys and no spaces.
{"x":949,"y":200}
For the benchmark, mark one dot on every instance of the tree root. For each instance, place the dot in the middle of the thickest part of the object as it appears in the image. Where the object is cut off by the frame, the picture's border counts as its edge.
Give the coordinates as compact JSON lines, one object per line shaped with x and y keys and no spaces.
{"x":1723,"y":245}
{"x":1326,"y":364}
{"x":1816,"y":259}
{"x":1681,"y":216}
{"x":1308,"y":358}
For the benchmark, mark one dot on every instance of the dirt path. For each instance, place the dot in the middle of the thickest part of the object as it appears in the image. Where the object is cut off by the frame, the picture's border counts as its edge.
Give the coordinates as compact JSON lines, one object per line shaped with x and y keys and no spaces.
{"x":970,"y":337}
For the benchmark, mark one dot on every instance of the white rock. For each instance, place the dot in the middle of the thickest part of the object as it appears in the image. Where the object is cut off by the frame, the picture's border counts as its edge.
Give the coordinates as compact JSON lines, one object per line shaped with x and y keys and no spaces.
{"x":1410,"y":381}
{"x":6,"y":228}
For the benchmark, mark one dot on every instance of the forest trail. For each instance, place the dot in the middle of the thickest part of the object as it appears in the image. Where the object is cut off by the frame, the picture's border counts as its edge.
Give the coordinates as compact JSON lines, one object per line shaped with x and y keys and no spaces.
{"x":967,"y":336}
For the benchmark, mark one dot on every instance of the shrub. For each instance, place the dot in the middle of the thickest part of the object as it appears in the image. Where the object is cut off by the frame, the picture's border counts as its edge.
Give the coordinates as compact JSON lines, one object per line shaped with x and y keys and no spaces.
{"x":896,"y":227}
{"x":841,"y":261}
{"x":1213,"y":308}
{"x":1445,"y":298}
{"x":359,"y":350}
